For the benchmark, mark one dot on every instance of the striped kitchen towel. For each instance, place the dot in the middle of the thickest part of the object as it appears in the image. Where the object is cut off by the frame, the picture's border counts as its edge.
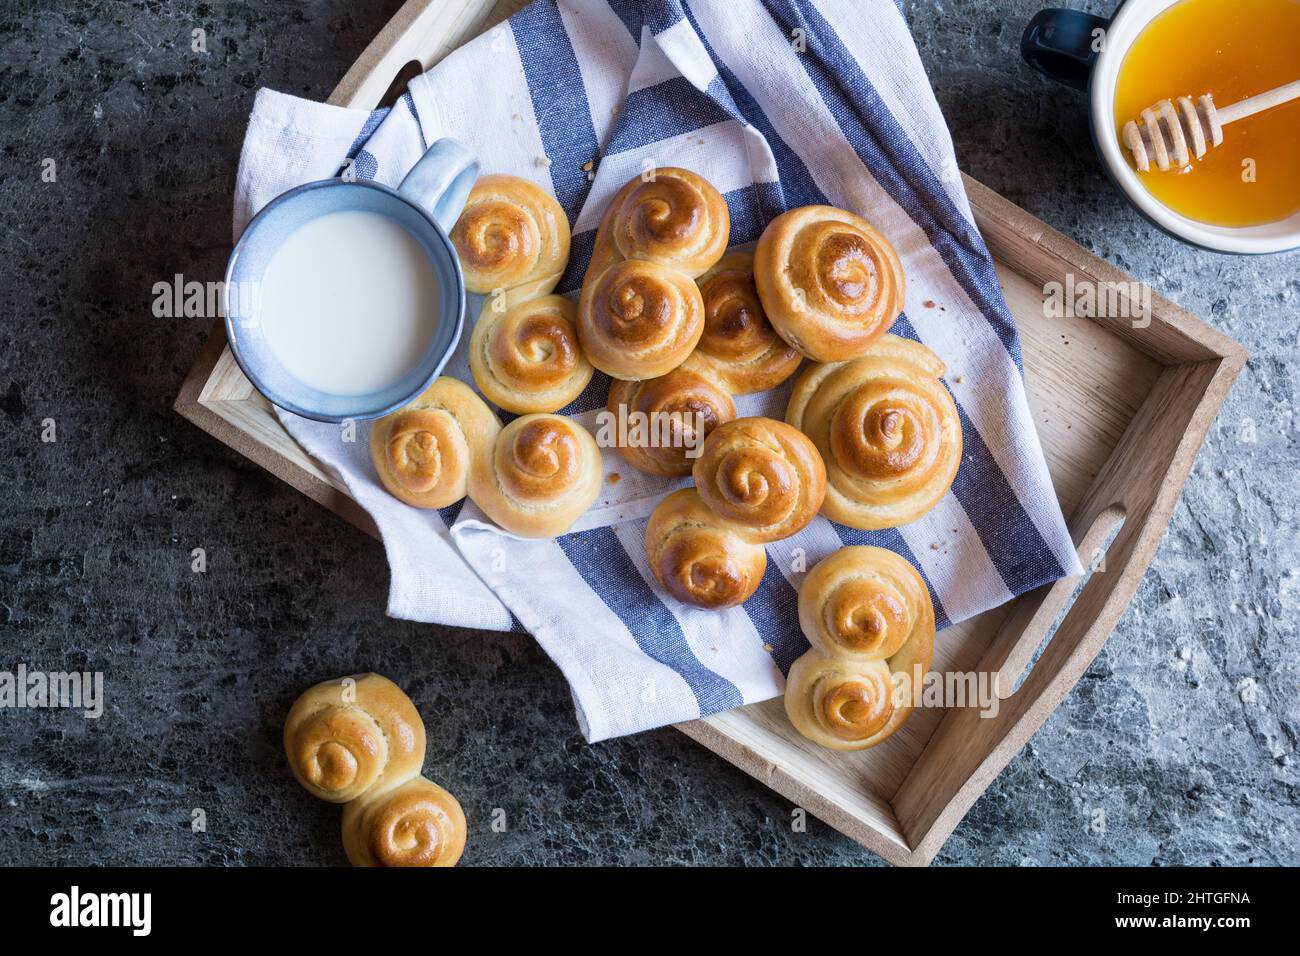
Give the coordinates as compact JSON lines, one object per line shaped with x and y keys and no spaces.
{"x":779,"y":103}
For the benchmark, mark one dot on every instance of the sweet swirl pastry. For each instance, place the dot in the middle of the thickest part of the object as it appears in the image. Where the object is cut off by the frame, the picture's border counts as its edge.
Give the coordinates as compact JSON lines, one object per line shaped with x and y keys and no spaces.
{"x":423,"y":451}
{"x":667,"y":419}
{"x":698,"y":558}
{"x":739,"y":347}
{"x":416,"y":823}
{"x":870,"y":620}
{"x":830,"y":283}
{"x":526,"y":358}
{"x":761,"y":475}
{"x":639,"y":319}
{"x":345,"y":737}
{"x":512,"y":236}
{"x":677,"y":219}
{"x":543,"y":473}
{"x":887,"y":429}
{"x":864,"y":603}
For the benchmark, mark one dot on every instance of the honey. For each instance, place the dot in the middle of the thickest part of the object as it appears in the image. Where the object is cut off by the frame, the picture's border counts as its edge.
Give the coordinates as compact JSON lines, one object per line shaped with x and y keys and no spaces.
{"x":1231,"y":49}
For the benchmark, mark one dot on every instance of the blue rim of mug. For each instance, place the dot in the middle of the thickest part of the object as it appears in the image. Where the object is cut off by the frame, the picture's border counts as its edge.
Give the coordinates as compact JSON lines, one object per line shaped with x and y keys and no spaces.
{"x":280,"y":401}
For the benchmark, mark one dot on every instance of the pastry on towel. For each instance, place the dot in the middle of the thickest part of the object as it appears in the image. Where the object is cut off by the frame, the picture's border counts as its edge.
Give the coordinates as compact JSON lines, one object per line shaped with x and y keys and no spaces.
{"x":870,"y":620}
{"x":671,"y":216}
{"x":512,"y":237}
{"x":348,"y":736}
{"x":761,"y":475}
{"x":887,"y":429}
{"x":526,"y":357}
{"x":639,"y":319}
{"x":542,"y":474}
{"x":423,"y":451}
{"x":830,"y":283}
{"x":699,"y":558}
{"x":667,"y":419}
{"x":416,"y":823}
{"x":739,"y":348}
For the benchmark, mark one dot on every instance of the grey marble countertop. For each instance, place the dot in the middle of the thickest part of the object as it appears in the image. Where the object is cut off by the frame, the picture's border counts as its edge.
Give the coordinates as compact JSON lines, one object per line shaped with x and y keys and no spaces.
{"x":1183,"y":732}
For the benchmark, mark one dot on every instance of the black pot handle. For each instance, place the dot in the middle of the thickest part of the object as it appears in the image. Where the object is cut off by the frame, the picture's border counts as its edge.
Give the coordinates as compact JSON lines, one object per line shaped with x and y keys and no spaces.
{"x":1063,"y":45}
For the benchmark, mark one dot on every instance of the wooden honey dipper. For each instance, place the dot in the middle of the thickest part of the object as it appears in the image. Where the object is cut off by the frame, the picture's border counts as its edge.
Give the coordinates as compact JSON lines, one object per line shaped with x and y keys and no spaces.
{"x":1167,"y":131}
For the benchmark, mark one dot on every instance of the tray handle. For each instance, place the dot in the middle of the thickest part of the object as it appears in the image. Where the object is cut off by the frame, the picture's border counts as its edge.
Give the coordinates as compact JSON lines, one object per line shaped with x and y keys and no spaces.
{"x":423,"y":32}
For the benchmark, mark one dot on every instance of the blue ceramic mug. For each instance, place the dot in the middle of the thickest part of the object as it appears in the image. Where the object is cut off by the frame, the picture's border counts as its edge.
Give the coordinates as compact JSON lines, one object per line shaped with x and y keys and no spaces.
{"x":425,"y":205}
{"x":1086,"y":52}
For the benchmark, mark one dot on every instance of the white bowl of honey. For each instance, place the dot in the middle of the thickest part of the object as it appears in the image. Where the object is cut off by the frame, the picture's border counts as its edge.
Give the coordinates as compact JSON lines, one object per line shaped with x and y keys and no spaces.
{"x":1241,"y":197}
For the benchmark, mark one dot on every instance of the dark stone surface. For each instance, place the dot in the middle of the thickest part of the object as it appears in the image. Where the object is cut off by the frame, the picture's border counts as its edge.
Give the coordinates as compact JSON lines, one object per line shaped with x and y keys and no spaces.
{"x":96,"y":533}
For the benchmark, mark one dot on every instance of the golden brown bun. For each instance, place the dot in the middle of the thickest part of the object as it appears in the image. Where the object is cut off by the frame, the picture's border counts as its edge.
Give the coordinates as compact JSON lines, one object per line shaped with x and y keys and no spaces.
{"x":871,"y":623}
{"x":887,"y":429}
{"x":526,"y":358}
{"x":512,"y":234}
{"x":676,"y":219}
{"x":763,"y":476}
{"x":830,"y":283}
{"x":739,"y":347}
{"x":698,"y":558}
{"x":423,"y":451}
{"x":670,"y":407}
{"x":543,"y":474}
{"x":865,"y":603}
{"x":639,"y":320}
{"x":349,"y":736}
{"x":416,"y":823}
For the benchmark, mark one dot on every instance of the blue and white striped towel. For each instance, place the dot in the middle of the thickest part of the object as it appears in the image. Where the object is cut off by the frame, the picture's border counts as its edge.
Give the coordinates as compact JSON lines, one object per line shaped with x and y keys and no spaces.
{"x":779,"y":103}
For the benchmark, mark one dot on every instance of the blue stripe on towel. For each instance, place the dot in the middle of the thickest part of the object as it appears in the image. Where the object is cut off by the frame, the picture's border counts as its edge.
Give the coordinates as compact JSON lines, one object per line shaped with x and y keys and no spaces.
{"x":655,"y":113}
{"x":599,"y":557}
{"x":629,"y":11}
{"x":894,"y":161}
{"x":559,"y":101}
{"x":774,"y":609}
{"x":661,"y":15}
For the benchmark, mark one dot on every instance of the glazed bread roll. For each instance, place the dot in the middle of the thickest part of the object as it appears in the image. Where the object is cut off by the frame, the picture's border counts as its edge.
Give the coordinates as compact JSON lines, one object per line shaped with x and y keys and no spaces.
{"x":423,"y":452}
{"x":676,"y":219}
{"x":526,"y":358}
{"x":763,"y":476}
{"x":739,"y":348}
{"x":512,"y":235}
{"x":349,"y":736}
{"x":542,"y":474}
{"x":830,"y":283}
{"x":639,"y":319}
{"x":667,"y":419}
{"x":865,"y":603}
{"x":698,"y":558}
{"x":887,"y":429}
{"x":416,"y":823}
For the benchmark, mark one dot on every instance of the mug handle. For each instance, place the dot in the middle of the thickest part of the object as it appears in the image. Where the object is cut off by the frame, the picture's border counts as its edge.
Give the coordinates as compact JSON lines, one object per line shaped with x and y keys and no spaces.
{"x":441,"y":179}
{"x":1060,"y":44}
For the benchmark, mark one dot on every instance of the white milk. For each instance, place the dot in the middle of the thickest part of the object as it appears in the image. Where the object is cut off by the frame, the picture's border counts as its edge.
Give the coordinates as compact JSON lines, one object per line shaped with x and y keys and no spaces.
{"x":349,"y":303}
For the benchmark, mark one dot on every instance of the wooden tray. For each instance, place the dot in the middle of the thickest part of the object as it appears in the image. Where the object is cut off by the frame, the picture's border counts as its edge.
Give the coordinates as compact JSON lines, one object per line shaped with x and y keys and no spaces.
{"x":1121,"y":411}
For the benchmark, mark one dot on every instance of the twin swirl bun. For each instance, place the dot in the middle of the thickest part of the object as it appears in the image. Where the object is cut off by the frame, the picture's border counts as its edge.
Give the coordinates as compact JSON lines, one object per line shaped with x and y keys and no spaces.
{"x":761,"y":475}
{"x":543,"y":472}
{"x":360,"y":741}
{"x":640,"y":313}
{"x":887,"y":429}
{"x":739,"y":348}
{"x":512,"y":237}
{"x":698,"y":558}
{"x":677,"y":219}
{"x":868,"y":615}
{"x":639,"y":320}
{"x":668,"y":419}
{"x":830,"y":283}
{"x":526,"y":358}
{"x":425,"y":451}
